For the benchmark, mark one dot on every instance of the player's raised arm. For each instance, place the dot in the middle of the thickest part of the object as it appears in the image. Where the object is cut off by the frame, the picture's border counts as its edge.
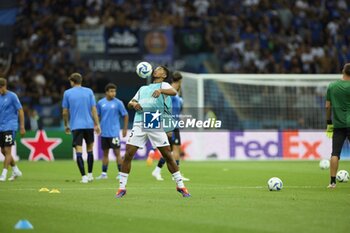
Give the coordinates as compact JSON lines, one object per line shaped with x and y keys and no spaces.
{"x":133,"y":104}
{"x":171,"y":91}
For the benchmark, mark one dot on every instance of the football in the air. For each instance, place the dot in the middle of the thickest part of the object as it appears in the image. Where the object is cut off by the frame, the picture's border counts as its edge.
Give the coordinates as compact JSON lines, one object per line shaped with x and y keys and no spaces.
{"x":144,"y":69}
{"x":274,"y":184}
{"x":343,"y":176}
{"x":324,"y":164}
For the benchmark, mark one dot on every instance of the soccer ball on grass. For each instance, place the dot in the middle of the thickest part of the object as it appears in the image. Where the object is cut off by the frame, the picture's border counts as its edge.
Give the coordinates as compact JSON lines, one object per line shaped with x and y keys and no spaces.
{"x":324,"y":164}
{"x":343,"y":176}
{"x":274,"y":184}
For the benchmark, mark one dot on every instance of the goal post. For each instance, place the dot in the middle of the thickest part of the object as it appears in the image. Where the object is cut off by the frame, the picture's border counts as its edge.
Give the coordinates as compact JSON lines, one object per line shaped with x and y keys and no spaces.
{"x":258,"y":101}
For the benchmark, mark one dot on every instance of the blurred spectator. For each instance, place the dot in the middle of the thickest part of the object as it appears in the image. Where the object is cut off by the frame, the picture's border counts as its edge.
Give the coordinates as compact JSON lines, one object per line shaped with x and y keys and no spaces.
{"x":92,"y":19}
{"x":201,"y":7}
{"x":209,"y":114}
{"x":252,"y":30}
{"x":34,"y":120}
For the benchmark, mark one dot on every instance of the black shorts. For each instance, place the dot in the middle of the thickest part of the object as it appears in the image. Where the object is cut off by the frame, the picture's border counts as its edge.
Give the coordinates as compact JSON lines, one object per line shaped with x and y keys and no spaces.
{"x":80,"y":134}
{"x":339,"y":136}
{"x":107,"y":143}
{"x":7,"y":138}
{"x":175,"y":138}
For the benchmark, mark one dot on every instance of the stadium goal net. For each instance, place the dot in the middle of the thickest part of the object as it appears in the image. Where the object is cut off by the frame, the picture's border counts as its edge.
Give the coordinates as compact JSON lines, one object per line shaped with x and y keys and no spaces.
{"x":258,"y":101}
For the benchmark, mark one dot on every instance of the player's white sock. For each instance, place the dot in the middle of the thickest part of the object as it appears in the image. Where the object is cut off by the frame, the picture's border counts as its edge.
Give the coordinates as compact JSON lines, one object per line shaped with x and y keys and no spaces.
{"x":104,"y":173}
{"x":4,"y":172}
{"x":157,"y":170}
{"x":178,"y":179}
{"x":15,"y":168}
{"x":123,"y":180}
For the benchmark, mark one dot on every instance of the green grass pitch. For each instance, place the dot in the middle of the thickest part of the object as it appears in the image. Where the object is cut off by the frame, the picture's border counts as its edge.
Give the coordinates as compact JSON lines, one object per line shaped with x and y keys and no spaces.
{"x":226,"y":197}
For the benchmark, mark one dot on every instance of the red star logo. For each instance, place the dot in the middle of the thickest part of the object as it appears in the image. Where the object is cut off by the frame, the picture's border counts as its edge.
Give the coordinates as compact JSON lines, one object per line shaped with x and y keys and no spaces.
{"x":41,"y":146}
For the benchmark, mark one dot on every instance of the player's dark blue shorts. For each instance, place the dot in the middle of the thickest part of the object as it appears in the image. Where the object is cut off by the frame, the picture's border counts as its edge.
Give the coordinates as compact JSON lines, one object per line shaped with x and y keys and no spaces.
{"x":7,"y":138}
{"x":80,"y":134}
{"x":175,"y":138}
{"x":107,"y":143}
{"x":339,"y":136}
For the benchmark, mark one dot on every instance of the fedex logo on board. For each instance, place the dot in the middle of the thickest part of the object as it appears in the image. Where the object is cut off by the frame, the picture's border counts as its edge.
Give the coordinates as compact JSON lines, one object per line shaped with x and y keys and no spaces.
{"x":287,"y":145}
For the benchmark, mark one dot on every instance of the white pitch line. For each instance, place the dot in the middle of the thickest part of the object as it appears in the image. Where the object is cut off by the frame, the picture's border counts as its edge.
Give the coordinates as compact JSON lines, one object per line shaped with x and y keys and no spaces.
{"x":158,"y":188}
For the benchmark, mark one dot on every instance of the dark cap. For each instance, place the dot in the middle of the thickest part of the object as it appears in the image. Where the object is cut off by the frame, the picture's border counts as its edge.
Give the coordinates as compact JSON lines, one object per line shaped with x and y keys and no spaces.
{"x":3,"y":82}
{"x":76,"y":78}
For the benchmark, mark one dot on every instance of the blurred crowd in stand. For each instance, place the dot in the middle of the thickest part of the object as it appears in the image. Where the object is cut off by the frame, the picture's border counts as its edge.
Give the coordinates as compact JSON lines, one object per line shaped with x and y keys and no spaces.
{"x":248,"y":36}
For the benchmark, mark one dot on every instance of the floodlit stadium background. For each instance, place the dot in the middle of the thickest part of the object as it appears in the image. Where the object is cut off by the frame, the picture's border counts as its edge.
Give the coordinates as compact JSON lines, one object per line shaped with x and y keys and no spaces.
{"x":261,"y":67}
{"x":44,"y":41}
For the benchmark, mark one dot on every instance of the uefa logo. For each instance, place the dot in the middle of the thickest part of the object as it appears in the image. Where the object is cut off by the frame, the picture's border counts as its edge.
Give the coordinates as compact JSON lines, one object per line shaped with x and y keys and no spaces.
{"x":151,"y":120}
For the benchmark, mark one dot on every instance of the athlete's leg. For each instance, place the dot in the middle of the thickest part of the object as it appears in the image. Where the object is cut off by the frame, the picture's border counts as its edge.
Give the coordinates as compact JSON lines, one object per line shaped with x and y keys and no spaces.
{"x":166,"y":153}
{"x":6,"y":151}
{"x":119,"y":159}
{"x":129,"y":155}
{"x":339,"y":136}
{"x":90,"y":159}
{"x":174,"y":170}
{"x":125,"y":169}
